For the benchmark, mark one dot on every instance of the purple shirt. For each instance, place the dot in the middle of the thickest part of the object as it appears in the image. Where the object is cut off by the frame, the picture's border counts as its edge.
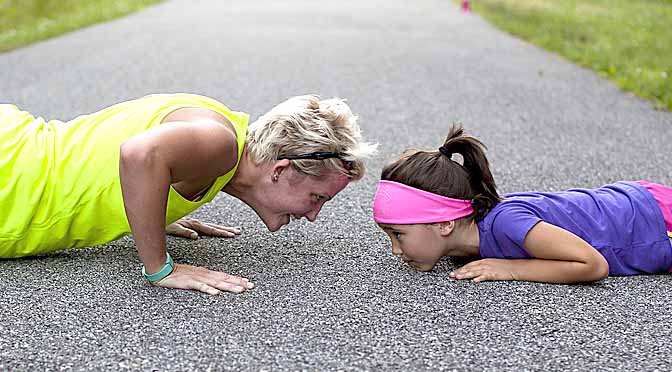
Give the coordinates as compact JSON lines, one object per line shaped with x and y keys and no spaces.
{"x":622,"y":221}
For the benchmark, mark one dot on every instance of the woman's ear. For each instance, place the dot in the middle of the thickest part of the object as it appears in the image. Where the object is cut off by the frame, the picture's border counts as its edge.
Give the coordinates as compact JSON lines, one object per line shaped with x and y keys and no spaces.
{"x":446,"y":228}
{"x":278,"y":168}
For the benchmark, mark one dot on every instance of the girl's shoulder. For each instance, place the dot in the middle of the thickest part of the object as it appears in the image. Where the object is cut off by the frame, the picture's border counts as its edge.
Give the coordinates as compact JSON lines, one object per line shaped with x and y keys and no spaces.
{"x":510,"y":214}
{"x":503,"y":230}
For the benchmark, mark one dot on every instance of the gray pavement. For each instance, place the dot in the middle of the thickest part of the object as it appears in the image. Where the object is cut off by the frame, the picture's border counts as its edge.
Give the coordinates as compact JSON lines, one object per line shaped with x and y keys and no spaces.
{"x":330,"y":295}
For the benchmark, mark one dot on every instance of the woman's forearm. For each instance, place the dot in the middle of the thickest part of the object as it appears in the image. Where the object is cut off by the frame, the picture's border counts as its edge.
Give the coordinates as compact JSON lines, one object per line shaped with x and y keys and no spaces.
{"x":145,"y":183}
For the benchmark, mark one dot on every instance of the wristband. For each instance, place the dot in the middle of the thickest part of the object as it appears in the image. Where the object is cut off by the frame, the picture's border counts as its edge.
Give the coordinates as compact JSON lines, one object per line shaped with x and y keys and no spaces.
{"x":166,"y":270}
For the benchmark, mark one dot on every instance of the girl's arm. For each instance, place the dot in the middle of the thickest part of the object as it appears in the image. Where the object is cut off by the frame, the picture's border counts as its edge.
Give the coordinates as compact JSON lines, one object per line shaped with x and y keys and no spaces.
{"x":560,"y":257}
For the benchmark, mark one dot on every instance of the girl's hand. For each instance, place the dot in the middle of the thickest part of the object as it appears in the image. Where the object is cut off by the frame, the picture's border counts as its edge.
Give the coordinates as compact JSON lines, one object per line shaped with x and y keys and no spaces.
{"x":191,"y":228}
{"x":486,"y":269}
{"x":204,"y":280}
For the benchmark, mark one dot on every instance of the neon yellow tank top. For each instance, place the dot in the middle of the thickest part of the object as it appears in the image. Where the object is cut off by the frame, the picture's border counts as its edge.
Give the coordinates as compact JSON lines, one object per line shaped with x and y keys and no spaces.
{"x":59,"y":181}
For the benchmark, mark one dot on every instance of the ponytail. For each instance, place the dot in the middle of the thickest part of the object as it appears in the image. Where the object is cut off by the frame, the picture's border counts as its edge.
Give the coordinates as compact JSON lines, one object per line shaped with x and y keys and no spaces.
{"x":438,"y":173}
{"x":485,"y":195}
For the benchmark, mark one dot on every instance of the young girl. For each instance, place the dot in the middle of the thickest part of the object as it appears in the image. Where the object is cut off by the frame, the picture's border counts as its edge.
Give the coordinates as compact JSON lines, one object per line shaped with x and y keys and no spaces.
{"x":432,"y":206}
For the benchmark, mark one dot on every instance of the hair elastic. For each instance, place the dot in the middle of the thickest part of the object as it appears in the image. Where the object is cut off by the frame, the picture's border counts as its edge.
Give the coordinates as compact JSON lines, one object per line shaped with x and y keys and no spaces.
{"x":446,"y":152}
{"x":399,"y":204}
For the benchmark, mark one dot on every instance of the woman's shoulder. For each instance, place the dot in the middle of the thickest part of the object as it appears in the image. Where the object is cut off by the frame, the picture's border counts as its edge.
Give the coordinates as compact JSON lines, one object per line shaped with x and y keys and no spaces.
{"x":197,"y":114}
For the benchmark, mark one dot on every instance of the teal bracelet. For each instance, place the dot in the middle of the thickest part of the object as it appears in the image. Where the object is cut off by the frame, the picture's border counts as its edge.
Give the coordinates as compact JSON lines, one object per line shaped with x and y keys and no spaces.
{"x":166,"y":270}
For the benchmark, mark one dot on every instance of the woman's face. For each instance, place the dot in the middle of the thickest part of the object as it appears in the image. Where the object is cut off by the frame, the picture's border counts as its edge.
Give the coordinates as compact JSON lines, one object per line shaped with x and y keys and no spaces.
{"x":297,"y":195}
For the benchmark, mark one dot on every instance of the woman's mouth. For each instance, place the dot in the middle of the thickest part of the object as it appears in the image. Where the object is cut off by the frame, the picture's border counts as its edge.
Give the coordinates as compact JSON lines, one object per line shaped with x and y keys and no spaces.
{"x":291,"y":217}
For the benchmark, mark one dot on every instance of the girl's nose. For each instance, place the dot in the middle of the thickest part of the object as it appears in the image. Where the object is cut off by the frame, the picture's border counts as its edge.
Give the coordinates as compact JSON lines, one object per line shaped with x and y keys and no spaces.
{"x":396,"y":250}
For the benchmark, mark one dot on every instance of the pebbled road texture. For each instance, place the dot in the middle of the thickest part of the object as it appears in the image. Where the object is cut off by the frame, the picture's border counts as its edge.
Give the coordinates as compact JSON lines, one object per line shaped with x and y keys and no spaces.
{"x":330,"y":295}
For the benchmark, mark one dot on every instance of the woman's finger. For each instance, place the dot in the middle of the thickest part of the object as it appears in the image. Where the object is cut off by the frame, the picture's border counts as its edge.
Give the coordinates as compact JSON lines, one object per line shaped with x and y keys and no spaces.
{"x":204,"y":280}
{"x":225,"y":281}
{"x":178,"y":229}
{"x":210,"y":229}
{"x":213,"y":231}
{"x":234,"y":230}
{"x":202,"y":287}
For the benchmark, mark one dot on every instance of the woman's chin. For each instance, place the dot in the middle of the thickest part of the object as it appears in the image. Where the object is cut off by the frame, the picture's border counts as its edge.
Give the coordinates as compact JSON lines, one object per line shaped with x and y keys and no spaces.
{"x":274,"y":226}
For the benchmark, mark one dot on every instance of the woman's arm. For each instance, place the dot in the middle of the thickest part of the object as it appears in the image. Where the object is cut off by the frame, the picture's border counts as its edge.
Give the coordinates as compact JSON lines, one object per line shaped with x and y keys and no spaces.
{"x":145,"y":182}
{"x":149,"y":163}
{"x":560,"y":257}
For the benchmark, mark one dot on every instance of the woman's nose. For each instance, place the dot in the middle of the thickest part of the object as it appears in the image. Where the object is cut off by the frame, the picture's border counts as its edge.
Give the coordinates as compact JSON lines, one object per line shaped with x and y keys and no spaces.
{"x":396,"y":250}
{"x":312,"y":215}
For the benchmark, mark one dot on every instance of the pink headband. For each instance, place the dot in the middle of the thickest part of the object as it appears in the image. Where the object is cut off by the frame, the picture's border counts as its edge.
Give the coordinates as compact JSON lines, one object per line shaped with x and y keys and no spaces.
{"x":399,"y":204}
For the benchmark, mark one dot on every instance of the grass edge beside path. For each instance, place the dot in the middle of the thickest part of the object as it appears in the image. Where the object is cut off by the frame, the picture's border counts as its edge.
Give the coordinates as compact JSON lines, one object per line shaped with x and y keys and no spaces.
{"x":23,"y":22}
{"x":626,"y":41}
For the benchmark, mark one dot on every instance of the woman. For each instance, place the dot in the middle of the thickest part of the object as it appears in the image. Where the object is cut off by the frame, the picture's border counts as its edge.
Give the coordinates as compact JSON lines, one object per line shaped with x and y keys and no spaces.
{"x":142,"y":165}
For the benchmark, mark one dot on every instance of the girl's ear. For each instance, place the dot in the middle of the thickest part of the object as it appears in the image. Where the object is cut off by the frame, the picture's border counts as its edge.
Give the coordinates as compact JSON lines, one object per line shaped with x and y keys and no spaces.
{"x":446,"y":228}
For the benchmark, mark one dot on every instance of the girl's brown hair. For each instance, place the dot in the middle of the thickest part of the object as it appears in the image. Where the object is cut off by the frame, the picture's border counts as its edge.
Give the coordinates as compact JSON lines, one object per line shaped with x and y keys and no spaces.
{"x":436,"y":172}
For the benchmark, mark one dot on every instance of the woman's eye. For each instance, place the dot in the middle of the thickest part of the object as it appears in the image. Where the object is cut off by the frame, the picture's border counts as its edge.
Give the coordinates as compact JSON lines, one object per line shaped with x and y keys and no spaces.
{"x":318,"y":198}
{"x":397,"y":235}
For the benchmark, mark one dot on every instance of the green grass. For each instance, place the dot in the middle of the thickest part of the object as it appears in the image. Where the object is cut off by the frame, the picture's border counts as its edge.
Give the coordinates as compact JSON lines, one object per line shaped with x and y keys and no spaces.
{"x":627,"y":41}
{"x":25,"y":21}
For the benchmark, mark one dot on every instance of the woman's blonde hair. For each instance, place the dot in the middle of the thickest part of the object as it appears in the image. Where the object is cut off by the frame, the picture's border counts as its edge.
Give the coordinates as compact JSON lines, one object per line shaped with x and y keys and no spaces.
{"x":304,"y":125}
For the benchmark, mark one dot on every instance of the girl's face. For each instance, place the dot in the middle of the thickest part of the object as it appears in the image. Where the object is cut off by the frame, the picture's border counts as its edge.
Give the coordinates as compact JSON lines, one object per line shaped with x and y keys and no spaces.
{"x":421,"y":245}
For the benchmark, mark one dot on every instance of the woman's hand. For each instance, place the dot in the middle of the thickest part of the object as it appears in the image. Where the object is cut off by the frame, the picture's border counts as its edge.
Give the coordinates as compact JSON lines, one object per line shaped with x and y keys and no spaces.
{"x":486,"y":269}
{"x":191,"y":228}
{"x":204,"y":280}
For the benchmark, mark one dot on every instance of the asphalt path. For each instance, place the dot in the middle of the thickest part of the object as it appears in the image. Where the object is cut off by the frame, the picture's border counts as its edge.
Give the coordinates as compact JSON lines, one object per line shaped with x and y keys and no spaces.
{"x":330,"y":296}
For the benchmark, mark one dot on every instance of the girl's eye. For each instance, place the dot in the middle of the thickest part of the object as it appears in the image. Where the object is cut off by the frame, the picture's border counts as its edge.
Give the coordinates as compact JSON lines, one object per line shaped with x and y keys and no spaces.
{"x":318,"y":198}
{"x":397,"y":235}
